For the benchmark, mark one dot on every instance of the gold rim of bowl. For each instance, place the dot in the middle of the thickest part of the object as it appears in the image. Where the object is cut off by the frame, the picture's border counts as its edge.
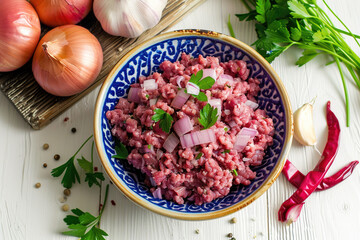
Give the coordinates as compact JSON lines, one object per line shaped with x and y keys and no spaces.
{"x":209,"y":215}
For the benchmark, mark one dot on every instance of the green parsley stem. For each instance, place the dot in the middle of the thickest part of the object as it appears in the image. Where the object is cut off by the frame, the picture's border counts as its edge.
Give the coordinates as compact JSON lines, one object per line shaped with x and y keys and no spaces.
{"x":341,"y":22}
{"x":92,"y":156}
{"x":346,"y":93}
{"x":352,"y":73}
{"x":231,"y":30}
{"x":346,"y":33}
{"x":105,"y":200}
{"x":82,"y":145}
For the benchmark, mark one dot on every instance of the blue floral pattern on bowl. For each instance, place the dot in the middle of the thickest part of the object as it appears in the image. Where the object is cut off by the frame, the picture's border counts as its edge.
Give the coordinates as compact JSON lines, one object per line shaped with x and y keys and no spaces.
{"x":147,"y":61}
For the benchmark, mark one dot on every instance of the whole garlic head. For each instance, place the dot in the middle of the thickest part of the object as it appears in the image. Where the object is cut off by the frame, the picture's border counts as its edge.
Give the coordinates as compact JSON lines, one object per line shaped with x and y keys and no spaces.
{"x":128,"y":18}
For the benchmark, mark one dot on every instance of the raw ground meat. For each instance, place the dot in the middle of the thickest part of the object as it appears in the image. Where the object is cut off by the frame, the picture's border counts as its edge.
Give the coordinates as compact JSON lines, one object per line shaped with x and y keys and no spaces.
{"x":181,"y":175}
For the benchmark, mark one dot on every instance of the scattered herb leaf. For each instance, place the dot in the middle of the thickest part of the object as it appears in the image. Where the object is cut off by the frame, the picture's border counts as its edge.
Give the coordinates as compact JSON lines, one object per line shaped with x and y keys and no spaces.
{"x":226,"y":151}
{"x":84,"y":225}
{"x":121,"y":150}
{"x":203,"y":83}
{"x":235,"y":172}
{"x":164,"y":118}
{"x":226,"y":129}
{"x":208,"y":116}
{"x":71,"y":175}
{"x":199,"y":156}
{"x":91,"y":177}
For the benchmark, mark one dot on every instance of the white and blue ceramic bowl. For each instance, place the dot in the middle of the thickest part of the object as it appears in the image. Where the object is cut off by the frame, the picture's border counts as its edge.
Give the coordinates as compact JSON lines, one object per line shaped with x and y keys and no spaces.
{"x":145,"y":59}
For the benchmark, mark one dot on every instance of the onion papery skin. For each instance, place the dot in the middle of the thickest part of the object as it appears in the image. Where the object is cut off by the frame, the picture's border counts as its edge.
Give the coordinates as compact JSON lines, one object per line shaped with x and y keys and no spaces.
{"x":67,"y":60}
{"x":61,"y":12}
{"x":19,"y":33}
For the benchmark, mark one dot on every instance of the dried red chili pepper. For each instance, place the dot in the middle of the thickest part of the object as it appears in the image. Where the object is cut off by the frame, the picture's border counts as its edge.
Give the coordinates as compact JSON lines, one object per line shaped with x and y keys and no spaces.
{"x":314,"y":177}
{"x":295,"y":177}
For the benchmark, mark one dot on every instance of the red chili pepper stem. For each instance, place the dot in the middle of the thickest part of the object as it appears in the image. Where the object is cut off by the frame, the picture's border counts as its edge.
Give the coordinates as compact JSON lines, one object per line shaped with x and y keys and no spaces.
{"x":314,"y":177}
{"x":295,"y":177}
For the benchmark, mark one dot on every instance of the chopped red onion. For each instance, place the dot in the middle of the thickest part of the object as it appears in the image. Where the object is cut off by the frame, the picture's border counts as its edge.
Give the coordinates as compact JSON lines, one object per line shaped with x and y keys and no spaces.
{"x":246,"y":159}
{"x":150,"y":84}
{"x":152,"y":181}
{"x":243,"y":138}
{"x":241,"y":142}
{"x":157,"y":193}
{"x":183,"y":126}
{"x":153,"y":101}
{"x":159,"y":154}
{"x":133,"y":95}
{"x":293,"y":213}
{"x":179,"y":79}
{"x":224,"y":78}
{"x":252,"y":104}
{"x":197,"y":138}
{"x":180,"y":99}
{"x":209,"y":72}
{"x":248,"y":131}
{"x":232,"y":124}
{"x":227,"y":112}
{"x":192,"y":88}
{"x":216,"y":103}
{"x":171,"y":142}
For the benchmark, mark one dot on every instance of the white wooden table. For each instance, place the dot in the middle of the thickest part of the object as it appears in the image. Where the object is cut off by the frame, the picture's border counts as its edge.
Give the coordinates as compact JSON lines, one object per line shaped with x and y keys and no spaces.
{"x":30,"y":213}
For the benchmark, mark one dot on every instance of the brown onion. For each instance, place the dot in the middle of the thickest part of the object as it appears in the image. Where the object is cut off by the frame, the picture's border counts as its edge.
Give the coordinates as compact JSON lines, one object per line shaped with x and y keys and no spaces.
{"x":67,"y":60}
{"x":61,"y":12}
{"x":19,"y":33}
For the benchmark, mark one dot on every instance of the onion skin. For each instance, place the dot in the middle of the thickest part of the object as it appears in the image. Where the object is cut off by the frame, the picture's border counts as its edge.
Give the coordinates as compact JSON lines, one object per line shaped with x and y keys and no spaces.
{"x":61,"y":12}
{"x":67,"y":60}
{"x":19,"y":33}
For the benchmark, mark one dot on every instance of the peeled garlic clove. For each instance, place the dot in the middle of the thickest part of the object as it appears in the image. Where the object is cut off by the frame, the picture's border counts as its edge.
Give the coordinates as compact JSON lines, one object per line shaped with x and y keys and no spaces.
{"x":304,"y":131}
{"x":128,"y":18}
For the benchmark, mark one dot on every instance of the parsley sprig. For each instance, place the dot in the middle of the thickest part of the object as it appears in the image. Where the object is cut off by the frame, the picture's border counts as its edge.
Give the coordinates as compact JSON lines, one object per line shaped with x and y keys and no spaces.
{"x":203,"y":83}
{"x":91,"y":177}
{"x":164,"y":118}
{"x":281,"y":24}
{"x":84,"y":225}
{"x":208,"y":116}
{"x":71,"y":174}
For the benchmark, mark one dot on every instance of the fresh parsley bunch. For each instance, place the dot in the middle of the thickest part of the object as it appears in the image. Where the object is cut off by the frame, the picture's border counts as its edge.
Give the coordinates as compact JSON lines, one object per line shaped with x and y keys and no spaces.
{"x":281,"y":24}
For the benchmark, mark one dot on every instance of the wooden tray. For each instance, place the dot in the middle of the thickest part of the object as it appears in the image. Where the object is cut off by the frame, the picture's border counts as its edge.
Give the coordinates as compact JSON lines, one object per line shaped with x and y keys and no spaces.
{"x":38,"y":107}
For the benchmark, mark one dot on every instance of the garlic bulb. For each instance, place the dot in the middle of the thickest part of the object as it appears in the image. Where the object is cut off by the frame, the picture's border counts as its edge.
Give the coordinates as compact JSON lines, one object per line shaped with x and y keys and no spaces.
{"x":128,"y":18}
{"x":304,"y":131}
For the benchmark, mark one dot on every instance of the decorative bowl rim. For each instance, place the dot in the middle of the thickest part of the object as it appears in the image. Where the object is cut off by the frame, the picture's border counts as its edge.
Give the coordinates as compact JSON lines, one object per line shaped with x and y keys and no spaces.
{"x":207,"y":215}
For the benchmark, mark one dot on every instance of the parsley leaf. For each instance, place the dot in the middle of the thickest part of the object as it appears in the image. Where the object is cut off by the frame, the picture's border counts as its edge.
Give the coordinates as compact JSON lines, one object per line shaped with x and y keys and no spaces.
{"x":164,"y":118}
{"x":298,"y":9}
{"x":235,"y":172}
{"x":262,"y":7}
{"x":84,"y":225}
{"x":121,"y":150}
{"x":226,"y":151}
{"x":202,"y":83}
{"x":208,"y":116}
{"x":199,"y":156}
{"x":71,"y":175}
{"x":91,"y":177}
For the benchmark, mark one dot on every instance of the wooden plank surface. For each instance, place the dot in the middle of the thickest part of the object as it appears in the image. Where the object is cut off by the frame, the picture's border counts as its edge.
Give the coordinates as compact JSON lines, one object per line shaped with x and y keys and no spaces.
{"x":38,"y":107}
{"x":35,"y":214}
